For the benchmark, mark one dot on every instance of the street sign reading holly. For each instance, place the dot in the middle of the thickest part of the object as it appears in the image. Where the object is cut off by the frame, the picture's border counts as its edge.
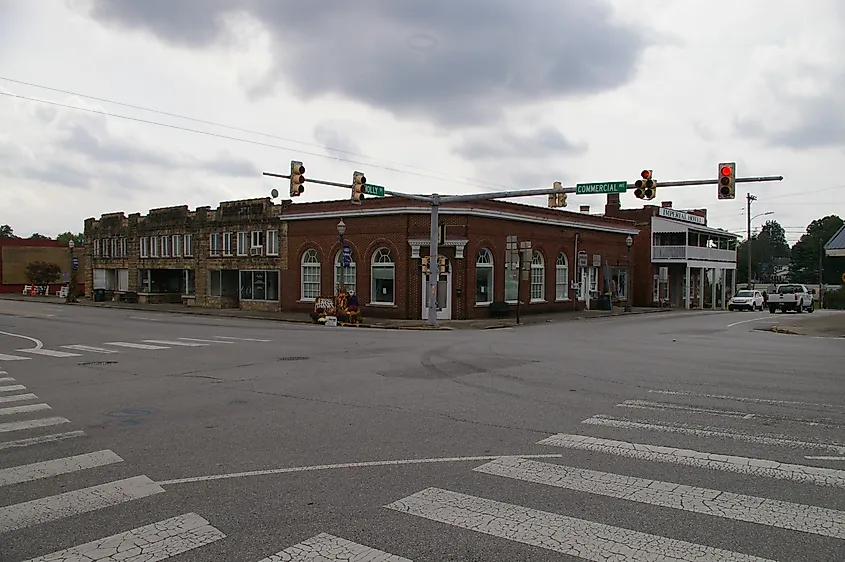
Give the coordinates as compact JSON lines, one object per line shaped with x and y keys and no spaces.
{"x":375,"y":190}
{"x":604,"y":187}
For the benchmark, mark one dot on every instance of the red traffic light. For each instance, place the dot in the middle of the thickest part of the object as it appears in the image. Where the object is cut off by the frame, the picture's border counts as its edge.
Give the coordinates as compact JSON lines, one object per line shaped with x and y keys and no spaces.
{"x":645,"y":174}
{"x":726,"y":170}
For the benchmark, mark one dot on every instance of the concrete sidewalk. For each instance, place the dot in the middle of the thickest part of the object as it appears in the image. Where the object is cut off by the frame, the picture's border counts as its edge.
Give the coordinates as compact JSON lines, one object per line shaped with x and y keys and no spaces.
{"x":475,"y":324}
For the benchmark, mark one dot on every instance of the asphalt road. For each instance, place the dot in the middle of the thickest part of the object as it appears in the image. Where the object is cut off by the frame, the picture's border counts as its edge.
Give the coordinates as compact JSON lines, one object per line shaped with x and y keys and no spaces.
{"x":680,"y":436}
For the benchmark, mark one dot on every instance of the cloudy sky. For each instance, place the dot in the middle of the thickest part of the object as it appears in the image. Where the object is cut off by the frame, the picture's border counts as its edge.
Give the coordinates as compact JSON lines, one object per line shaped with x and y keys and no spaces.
{"x":448,"y":96}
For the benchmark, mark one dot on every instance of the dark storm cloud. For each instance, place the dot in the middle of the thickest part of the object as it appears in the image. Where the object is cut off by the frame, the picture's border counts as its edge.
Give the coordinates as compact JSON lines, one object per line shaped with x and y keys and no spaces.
{"x":544,"y":143}
{"x":331,"y":137}
{"x":453,"y":62}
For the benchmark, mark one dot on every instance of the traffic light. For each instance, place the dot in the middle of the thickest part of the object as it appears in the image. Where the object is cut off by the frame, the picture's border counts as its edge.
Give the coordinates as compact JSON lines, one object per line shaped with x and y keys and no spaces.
{"x":557,"y":199}
{"x":358,"y":181}
{"x":646,"y":188}
{"x":727,"y":180}
{"x":297,"y":179}
{"x":426,"y":265}
{"x":441,"y":264}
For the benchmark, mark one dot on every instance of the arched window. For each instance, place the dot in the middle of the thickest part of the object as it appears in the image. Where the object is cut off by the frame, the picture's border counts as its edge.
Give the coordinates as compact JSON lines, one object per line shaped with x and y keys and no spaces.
{"x":383,"y":273}
{"x":538,"y":277}
{"x":348,"y":272}
{"x":310,"y":275}
{"x":562,"y":278}
{"x":484,"y":277}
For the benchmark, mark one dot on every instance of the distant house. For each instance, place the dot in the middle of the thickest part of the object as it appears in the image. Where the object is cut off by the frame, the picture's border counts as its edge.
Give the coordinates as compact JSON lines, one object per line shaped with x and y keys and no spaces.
{"x":835,"y":247}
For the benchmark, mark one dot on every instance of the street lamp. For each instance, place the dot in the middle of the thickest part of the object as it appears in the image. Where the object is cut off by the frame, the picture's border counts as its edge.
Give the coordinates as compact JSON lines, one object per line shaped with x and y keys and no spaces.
{"x":628,"y":242}
{"x":341,"y":230}
{"x":748,"y":237}
{"x":71,"y":285}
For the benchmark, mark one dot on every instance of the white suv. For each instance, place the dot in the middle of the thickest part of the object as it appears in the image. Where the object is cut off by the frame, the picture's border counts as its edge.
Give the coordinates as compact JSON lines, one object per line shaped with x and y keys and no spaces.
{"x":746,"y":300}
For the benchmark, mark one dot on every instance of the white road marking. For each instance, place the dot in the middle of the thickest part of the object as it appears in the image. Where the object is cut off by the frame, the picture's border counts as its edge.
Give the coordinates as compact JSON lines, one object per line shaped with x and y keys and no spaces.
{"x":648,"y":405}
{"x":52,"y":438}
{"x":134,"y":345}
{"x":90,"y":348}
{"x":76,"y":502}
{"x":207,"y":341}
{"x":31,"y":424}
{"x":12,"y":388}
{"x":145,"y":318}
{"x":15,"y":410}
{"x":38,"y":343}
{"x":747,"y":399}
{"x":712,"y":461}
{"x":50,"y":352}
{"x":240,"y":339}
{"x":583,"y":539}
{"x":709,"y":431}
{"x":774,"y":513}
{"x":328,"y":547}
{"x":13,"y":358}
{"x":826,"y":458}
{"x":151,"y":543}
{"x":47,"y":469}
{"x":4,"y":372}
{"x":179,"y":343}
{"x":345,"y":465}
{"x":17,"y":397}
{"x":6,"y":379}
{"x":767,"y":318}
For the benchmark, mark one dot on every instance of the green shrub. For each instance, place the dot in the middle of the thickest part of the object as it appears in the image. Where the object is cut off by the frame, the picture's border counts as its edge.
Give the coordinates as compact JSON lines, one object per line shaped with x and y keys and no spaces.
{"x":835,"y":299}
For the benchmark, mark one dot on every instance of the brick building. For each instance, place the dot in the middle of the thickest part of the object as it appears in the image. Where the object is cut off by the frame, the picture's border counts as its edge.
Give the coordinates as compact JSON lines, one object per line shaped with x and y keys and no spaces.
{"x":678,"y":260}
{"x":17,"y":253}
{"x":254,"y":254}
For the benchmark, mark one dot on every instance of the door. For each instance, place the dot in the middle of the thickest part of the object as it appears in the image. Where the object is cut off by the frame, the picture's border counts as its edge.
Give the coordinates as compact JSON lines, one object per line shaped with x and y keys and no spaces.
{"x":444,"y":294}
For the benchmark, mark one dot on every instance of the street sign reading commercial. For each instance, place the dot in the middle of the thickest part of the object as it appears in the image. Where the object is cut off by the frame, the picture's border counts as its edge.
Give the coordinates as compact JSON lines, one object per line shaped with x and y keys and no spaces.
{"x":374,"y":190}
{"x":605,"y":187}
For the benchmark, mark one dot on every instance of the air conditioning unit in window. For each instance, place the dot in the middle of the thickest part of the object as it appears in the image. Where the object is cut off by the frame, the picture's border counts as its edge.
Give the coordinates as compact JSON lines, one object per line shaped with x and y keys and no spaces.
{"x":256,"y":250}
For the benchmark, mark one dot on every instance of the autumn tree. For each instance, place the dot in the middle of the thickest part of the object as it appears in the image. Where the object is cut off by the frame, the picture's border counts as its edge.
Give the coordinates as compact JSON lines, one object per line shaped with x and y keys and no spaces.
{"x":43,"y":272}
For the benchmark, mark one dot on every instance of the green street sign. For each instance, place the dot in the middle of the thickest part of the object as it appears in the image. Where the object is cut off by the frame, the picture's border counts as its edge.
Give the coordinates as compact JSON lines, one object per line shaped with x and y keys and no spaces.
{"x":376,"y":190}
{"x":605,"y":187}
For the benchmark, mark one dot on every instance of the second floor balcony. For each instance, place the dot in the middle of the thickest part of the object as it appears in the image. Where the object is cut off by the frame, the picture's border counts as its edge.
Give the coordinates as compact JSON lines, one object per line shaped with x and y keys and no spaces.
{"x":691,"y":253}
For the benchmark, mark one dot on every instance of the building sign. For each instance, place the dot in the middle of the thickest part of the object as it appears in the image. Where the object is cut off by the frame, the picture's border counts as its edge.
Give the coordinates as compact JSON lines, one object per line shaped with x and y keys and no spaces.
{"x":681,"y":216}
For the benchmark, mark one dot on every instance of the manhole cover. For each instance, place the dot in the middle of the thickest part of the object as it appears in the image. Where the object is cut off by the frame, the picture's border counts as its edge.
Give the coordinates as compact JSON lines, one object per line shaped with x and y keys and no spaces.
{"x":293,"y":358}
{"x":91,"y":363}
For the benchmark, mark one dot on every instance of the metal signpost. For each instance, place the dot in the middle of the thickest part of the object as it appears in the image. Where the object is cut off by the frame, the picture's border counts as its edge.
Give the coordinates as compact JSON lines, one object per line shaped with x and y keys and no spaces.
{"x":435,"y":200}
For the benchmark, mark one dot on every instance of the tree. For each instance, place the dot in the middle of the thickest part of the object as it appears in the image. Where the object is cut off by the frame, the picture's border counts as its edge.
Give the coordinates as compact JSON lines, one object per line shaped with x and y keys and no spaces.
{"x":804,"y":265}
{"x":43,"y":272}
{"x":767,"y":248}
{"x":66,"y":237}
{"x":6,"y":231}
{"x":37,"y":236}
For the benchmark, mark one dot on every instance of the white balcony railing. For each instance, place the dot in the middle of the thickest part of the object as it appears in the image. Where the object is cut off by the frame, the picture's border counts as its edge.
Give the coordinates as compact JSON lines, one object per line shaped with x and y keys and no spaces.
{"x":683,"y":253}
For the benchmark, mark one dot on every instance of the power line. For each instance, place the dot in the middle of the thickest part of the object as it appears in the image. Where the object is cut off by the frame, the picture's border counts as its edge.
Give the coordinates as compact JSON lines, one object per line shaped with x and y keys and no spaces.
{"x":252,"y":132}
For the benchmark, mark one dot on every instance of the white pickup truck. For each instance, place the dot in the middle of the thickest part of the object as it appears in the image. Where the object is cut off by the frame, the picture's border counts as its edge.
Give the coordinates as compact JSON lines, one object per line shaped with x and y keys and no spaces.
{"x":791,"y":297}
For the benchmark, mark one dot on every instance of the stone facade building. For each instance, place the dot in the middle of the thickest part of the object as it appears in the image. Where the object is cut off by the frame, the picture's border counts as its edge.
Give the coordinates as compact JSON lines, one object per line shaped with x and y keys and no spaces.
{"x":255,"y":254}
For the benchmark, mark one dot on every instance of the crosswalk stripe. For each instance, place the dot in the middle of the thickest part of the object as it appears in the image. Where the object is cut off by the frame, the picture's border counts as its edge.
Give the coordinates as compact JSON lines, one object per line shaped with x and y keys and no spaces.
{"x":712,"y":461}
{"x":89,"y":348}
{"x":709,"y":431}
{"x":15,"y":410}
{"x":240,"y":339}
{"x":31,"y":424}
{"x":76,"y":502}
{"x":134,"y":345}
{"x":17,"y":397}
{"x":4,"y":357}
{"x":39,"y":440}
{"x":207,"y":341}
{"x":597,"y":542}
{"x":179,"y":343}
{"x":12,"y":388}
{"x":7,"y":379}
{"x":825,"y":458}
{"x":328,"y":547}
{"x":151,"y":543}
{"x":746,"y":399}
{"x":49,"y":352}
{"x":3,"y":372}
{"x":47,"y":469}
{"x":663,"y":406}
{"x":774,"y":513}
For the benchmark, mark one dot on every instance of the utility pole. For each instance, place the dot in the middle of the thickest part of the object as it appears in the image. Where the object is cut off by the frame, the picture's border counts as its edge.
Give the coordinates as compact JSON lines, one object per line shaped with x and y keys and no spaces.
{"x":821,"y":272}
{"x":748,"y":199}
{"x":433,"y":277}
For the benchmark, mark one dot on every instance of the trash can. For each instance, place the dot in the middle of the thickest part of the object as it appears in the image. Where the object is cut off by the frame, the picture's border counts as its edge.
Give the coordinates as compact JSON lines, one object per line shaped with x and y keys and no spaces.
{"x":605,"y":303}
{"x":99,"y":295}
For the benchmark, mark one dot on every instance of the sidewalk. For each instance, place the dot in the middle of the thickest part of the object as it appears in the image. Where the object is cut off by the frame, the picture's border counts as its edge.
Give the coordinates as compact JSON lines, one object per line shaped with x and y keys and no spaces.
{"x":476,"y":324}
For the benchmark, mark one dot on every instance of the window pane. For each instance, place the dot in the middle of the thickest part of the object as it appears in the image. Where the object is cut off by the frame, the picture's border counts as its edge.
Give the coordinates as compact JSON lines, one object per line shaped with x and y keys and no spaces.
{"x":215,"y":283}
{"x":258,"y":285}
{"x":272,"y":285}
{"x":383,"y":284}
{"x":246,"y":285}
{"x":511,"y":284}
{"x":310,"y":281}
{"x":483,"y":284}
{"x":537,"y":278}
